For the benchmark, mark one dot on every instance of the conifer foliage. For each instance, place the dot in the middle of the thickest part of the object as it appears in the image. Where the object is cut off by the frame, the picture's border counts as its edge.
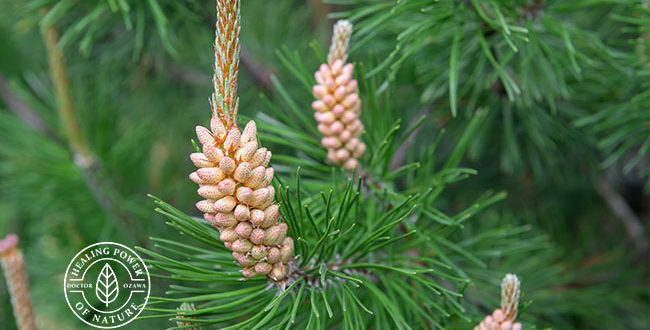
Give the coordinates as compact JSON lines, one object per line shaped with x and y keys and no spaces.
{"x":356,"y":263}
{"x":365,"y":164}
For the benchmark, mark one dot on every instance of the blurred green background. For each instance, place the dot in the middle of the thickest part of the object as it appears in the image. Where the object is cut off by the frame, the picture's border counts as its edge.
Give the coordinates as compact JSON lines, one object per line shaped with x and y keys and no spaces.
{"x":571,"y":150}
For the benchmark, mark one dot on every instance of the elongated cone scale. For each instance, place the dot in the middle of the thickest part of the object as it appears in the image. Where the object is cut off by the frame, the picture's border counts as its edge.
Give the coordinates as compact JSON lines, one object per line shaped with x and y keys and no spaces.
{"x":233,"y":173}
{"x":13,"y":266}
{"x":337,"y":104}
{"x":504,"y":318}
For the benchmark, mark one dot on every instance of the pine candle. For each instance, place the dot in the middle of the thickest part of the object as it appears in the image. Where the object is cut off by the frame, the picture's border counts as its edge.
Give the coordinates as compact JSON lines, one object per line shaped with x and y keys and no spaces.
{"x":337,"y":102}
{"x":504,"y":318}
{"x":13,"y":265}
{"x":186,"y":320}
{"x":233,"y":175}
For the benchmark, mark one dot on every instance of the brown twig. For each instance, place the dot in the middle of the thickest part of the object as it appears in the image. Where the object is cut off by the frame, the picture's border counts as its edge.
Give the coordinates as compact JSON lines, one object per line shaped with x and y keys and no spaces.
{"x":261,"y":73}
{"x":67,"y":114}
{"x":24,"y":111}
{"x":321,"y":23}
{"x":99,"y":184}
{"x":188,"y":75}
{"x":617,"y":204}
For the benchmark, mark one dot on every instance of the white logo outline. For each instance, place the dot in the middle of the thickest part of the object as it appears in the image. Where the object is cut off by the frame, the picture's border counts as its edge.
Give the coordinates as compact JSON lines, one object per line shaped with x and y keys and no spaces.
{"x":146,"y":270}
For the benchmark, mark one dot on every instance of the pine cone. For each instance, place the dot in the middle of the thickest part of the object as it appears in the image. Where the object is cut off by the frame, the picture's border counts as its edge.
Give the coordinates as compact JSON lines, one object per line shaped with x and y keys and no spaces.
{"x":234,"y":179}
{"x":338,"y":105}
{"x":498,"y":321}
{"x":13,"y":265}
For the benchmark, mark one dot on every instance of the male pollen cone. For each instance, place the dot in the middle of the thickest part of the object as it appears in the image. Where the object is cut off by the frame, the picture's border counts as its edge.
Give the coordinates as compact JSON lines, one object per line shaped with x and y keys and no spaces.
{"x":498,"y":321}
{"x":337,"y":104}
{"x":234,"y":178}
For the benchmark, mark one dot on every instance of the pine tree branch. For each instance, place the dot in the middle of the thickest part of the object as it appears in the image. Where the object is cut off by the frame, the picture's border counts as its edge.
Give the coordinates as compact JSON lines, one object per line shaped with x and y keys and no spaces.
{"x":321,"y":11}
{"x":24,"y":111}
{"x":66,"y":110}
{"x":320,"y":23}
{"x":97,"y":181}
{"x":633,"y":227}
{"x":259,"y":71}
{"x":188,"y":75}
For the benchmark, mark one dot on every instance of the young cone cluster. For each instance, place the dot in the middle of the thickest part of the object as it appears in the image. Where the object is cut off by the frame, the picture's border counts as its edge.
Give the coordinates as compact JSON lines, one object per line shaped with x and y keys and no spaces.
{"x":17,"y":283}
{"x":234,"y":179}
{"x":233,"y":176}
{"x":504,"y":318}
{"x":337,"y":102}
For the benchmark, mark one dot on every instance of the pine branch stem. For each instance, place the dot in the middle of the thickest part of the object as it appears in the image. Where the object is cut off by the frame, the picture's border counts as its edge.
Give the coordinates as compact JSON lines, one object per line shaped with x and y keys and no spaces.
{"x":21,"y":109}
{"x":617,"y":204}
{"x":259,"y":71}
{"x":100,"y":186}
{"x":66,"y":110}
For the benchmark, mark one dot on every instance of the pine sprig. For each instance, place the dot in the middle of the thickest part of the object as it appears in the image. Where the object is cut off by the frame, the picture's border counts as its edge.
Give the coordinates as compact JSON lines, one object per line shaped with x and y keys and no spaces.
{"x":340,"y":256}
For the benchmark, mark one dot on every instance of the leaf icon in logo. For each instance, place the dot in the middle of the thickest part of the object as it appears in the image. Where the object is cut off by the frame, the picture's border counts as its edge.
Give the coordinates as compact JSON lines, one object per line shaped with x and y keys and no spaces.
{"x":107,"y":287}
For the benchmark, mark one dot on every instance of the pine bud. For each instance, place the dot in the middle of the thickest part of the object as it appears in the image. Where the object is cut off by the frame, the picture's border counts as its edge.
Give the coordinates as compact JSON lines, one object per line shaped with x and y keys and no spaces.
{"x":200,"y":160}
{"x":205,"y":206}
{"x":225,"y":204}
{"x":510,"y":291}
{"x":258,"y":235}
{"x":213,"y":153}
{"x":210,"y":192}
{"x":13,"y":266}
{"x":504,"y":318}
{"x":228,"y":235}
{"x":210,"y":174}
{"x":227,"y":186}
{"x":242,"y":245}
{"x":275,"y":234}
{"x":259,"y":251}
{"x":224,"y":220}
{"x":279,"y":271}
{"x":249,"y":272}
{"x":185,"y":320}
{"x":204,"y":135}
{"x":195,"y":177}
{"x":244,"y":259}
{"x":243,"y":172}
{"x":263,"y":268}
{"x":244,"y":229}
{"x":257,"y":217}
{"x":242,"y":213}
{"x":274,"y":255}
